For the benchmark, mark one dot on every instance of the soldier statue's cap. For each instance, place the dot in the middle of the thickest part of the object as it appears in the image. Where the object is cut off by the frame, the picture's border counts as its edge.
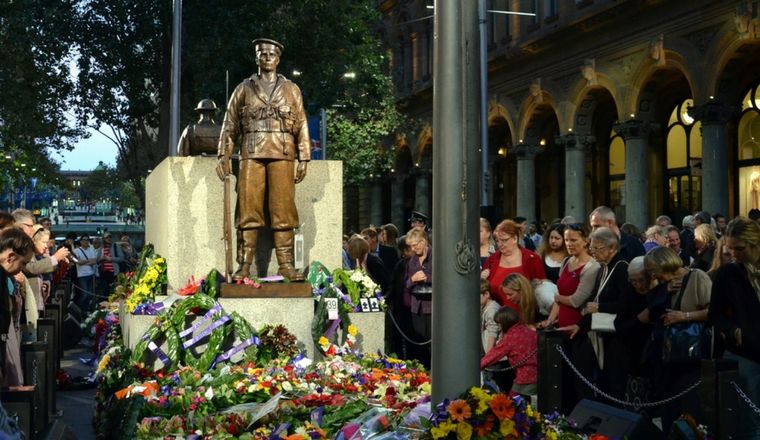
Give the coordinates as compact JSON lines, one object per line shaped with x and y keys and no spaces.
{"x":258,"y":41}
{"x":206,"y":104}
{"x":418,"y":217}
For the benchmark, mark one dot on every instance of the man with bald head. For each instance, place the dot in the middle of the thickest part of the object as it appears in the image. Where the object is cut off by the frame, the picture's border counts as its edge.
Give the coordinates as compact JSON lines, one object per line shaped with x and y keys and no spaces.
{"x":266,"y":114}
{"x":603,"y":216}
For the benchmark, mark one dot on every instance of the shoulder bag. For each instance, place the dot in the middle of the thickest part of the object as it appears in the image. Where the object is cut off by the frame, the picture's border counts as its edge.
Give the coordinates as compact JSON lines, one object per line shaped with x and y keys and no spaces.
{"x":686,"y":342}
{"x":600,"y":321}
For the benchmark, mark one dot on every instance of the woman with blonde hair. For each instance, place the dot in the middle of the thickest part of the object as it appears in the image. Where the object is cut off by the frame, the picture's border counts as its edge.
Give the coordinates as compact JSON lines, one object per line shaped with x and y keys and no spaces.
{"x":734,"y":311}
{"x":722,"y":256}
{"x":704,"y":242}
{"x":520,"y":293}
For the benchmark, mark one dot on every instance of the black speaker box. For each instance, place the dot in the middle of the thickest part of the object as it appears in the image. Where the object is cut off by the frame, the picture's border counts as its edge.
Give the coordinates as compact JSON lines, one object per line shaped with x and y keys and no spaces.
{"x":72,"y":332}
{"x":597,"y":418}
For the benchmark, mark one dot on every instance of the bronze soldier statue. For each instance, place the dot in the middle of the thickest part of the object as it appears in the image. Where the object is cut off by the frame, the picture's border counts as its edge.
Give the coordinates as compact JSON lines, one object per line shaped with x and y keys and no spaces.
{"x":266,"y":113}
{"x":203,"y":136}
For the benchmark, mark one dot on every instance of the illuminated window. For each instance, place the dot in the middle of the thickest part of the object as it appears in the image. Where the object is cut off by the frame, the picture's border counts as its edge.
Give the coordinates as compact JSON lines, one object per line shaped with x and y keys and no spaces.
{"x":748,"y":144}
{"x":617,"y":173}
{"x":684,"y":161}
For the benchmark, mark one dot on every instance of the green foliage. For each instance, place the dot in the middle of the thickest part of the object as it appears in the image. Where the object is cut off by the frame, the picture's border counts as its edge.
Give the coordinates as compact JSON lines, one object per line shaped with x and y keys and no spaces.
{"x":35,"y":86}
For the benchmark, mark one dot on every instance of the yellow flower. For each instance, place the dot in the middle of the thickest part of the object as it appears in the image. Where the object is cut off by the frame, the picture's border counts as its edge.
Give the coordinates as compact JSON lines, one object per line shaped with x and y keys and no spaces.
{"x":103,"y":363}
{"x":551,"y":435}
{"x":507,"y":428}
{"x":352,"y":330}
{"x":323,"y":341}
{"x":483,"y":399}
{"x":443,"y":429}
{"x":464,"y":431}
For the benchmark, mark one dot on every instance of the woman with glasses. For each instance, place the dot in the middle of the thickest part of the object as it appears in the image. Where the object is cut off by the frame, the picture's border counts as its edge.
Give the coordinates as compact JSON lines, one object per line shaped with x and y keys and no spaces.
{"x":418,"y":290}
{"x":734,"y":310}
{"x":510,"y":258}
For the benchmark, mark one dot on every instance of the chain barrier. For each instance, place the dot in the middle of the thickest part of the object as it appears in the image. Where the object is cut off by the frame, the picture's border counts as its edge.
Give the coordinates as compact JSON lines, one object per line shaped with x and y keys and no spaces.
{"x":395,"y":324}
{"x":88,"y":292}
{"x":517,"y":364}
{"x":635,"y":405}
{"x":746,"y":399}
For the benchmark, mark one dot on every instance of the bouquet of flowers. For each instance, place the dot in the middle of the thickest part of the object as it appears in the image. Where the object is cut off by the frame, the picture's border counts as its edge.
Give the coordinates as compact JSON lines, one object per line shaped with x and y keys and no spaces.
{"x":150,"y":279}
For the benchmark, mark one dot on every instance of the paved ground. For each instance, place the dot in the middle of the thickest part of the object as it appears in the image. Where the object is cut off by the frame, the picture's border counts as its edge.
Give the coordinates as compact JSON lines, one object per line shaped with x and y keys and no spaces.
{"x":77,"y":406}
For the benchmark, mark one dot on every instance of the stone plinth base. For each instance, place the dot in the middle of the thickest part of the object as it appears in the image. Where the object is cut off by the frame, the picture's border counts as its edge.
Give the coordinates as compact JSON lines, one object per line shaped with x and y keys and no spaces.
{"x":184,"y":206}
{"x":296,"y":314}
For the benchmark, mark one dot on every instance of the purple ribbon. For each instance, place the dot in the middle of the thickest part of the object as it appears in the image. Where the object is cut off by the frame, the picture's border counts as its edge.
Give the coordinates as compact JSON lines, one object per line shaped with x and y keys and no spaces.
{"x":159,"y":353}
{"x":272,"y":279}
{"x":253,"y":340}
{"x":207,"y":331}
{"x":346,"y":299}
{"x":331,"y":329}
{"x":188,"y":331}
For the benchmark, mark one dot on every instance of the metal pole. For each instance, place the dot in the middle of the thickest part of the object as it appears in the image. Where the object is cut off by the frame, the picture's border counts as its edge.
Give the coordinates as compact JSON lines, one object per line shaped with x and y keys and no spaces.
{"x":456,"y":176}
{"x":323,"y":132}
{"x":485,"y":179}
{"x":176,"y":62}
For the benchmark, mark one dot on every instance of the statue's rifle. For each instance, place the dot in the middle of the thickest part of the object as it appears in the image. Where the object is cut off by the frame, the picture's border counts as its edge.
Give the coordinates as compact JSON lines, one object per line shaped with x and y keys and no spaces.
{"x":227,"y":226}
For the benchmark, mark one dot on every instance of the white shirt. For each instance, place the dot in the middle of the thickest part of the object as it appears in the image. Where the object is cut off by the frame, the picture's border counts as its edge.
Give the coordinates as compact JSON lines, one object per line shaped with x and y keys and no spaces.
{"x":81,"y":254}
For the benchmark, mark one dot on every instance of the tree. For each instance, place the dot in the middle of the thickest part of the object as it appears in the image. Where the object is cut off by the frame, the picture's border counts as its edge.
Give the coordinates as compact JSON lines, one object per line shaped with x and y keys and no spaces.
{"x":36,"y":41}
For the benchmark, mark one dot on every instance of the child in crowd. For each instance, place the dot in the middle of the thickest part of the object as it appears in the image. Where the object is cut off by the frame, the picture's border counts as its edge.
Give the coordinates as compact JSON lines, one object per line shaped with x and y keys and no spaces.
{"x":518,"y":344}
{"x":489,"y":329}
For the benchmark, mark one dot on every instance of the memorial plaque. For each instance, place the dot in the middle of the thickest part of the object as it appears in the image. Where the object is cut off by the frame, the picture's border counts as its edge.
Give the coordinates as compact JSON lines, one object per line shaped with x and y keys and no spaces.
{"x":267,"y":290}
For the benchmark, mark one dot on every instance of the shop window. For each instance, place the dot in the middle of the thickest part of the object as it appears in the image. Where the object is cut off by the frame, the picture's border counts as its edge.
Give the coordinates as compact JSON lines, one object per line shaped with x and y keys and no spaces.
{"x":748,"y":138}
{"x":683,"y":161}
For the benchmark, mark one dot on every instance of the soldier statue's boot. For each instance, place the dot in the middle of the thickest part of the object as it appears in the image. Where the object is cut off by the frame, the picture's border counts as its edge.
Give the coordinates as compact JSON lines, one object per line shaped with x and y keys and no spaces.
{"x":283,"y":247}
{"x":246,"y":253}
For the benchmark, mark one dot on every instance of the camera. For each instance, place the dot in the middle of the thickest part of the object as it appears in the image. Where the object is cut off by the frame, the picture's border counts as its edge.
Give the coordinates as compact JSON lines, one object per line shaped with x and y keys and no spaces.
{"x":73,"y":259}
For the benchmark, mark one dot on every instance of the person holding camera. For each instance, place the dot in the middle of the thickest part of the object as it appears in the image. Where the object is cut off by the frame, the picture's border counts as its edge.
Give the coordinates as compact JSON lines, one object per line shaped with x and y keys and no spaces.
{"x":85,"y":259}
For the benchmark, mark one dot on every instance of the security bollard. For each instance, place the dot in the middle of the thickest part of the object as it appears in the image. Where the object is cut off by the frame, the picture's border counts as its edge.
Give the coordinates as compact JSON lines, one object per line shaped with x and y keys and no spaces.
{"x":718,"y":397}
{"x":46,"y":334}
{"x":54,"y":311}
{"x":550,"y":371}
{"x":18,"y":402}
{"x":34,"y":363}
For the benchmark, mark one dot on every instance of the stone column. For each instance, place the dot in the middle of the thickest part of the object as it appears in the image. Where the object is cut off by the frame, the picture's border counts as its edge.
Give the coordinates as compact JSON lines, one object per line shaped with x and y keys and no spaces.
{"x":575,"y":172}
{"x":526,"y":180}
{"x":376,"y":204}
{"x":714,"y":116}
{"x":397,"y":203}
{"x":422,"y":193}
{"x":636,"y":136}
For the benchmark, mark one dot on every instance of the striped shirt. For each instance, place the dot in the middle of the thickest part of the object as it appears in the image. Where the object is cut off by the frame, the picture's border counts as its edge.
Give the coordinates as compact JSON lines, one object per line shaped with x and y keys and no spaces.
{"x":107,"y":265}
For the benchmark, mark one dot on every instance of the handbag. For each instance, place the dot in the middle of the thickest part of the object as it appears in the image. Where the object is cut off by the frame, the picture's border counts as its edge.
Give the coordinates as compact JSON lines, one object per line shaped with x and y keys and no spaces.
{"x":423,"y":292}
{"x":603,"y":322}
{"x":686,"y":342}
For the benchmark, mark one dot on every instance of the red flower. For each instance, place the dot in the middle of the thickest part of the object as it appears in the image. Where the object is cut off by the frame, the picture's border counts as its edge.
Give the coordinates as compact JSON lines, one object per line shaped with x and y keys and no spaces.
{"x":502,"y":406}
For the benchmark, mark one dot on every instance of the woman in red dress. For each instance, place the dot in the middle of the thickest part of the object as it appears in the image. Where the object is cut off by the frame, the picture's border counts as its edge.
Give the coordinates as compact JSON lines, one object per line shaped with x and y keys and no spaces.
{"x":510,"y":258}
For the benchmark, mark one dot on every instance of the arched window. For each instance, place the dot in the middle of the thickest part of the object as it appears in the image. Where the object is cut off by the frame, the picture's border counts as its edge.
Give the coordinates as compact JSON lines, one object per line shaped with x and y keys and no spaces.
{"x":683,"y":162}
{"x":748,"y":138}
{"x":617,"y":174}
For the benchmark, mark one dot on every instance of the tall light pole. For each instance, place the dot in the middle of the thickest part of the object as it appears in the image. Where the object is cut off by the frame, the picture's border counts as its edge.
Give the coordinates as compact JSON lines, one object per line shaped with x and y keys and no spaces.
{"x":176,"y":62}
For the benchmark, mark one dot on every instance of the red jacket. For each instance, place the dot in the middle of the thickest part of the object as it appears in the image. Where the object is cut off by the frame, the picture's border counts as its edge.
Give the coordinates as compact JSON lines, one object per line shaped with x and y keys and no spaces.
{"x":517,"y":344}
{"x":532,"y":267}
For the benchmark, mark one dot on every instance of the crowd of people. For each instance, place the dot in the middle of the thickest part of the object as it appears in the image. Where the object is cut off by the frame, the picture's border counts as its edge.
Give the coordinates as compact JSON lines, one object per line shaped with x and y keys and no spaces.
{"x":34,"y":268}
{"x":619,"y":296}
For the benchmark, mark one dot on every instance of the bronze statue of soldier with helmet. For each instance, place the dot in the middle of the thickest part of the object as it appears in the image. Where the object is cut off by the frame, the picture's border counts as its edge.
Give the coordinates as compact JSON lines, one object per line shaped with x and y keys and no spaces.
{"x":266,"y":114}
{"x":201,"y":138}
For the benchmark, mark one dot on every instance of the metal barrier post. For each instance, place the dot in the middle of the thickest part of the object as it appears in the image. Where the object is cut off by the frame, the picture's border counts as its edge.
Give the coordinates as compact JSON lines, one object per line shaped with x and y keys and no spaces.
{"x":550,"y":371}
{"x":34,"y":362}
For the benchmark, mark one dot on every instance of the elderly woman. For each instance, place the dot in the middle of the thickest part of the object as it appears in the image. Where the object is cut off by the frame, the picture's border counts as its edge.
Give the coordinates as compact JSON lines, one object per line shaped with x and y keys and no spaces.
{"x":510,"y":258}
{"x":735,"y":309}
{"x":418,"y":288}
{"x":655,"y":236}
{"x":685,"y":297}
{"x":704,"y":242}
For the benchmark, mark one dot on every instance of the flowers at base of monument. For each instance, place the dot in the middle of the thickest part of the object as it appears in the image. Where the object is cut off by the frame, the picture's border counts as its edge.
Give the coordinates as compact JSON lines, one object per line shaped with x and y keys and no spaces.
{"x":330,"y":349}
{"x":191,"y":288}
{"x":356,"y":284}
{"x":150,"y":283}
{"x":483,"y":414}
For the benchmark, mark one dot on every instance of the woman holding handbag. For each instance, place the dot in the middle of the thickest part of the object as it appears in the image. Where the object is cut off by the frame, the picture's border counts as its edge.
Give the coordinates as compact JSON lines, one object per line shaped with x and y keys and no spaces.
{"x":684,"y":301}
{"x":734,"y":311}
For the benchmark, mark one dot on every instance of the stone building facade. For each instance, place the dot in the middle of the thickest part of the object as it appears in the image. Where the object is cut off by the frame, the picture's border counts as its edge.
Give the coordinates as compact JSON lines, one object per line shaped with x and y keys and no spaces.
{"x":648,"y":106}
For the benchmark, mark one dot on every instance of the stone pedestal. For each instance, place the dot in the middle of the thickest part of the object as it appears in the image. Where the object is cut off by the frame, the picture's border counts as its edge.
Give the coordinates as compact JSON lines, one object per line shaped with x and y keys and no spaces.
{"x":184,"y":199}
{"x":296,"y":314}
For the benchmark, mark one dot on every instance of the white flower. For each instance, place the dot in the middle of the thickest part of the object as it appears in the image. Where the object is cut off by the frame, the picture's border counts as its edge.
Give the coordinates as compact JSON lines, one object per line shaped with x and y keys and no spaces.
{"x":209,"y":394}
{"x":287,"y":386}
{"x":357,"y":276}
